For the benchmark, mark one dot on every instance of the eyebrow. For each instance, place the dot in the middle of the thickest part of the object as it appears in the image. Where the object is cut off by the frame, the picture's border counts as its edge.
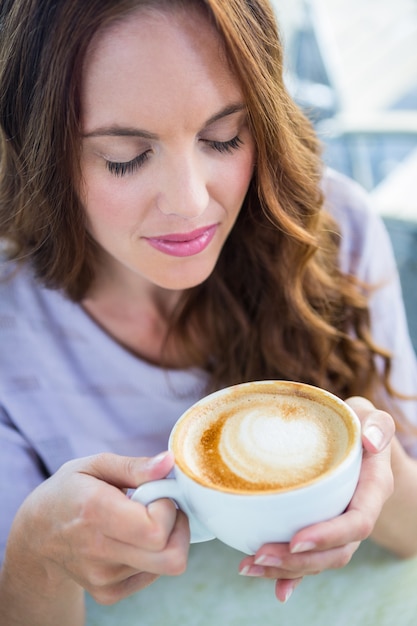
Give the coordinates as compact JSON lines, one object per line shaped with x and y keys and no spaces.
{"x":127,"y":131}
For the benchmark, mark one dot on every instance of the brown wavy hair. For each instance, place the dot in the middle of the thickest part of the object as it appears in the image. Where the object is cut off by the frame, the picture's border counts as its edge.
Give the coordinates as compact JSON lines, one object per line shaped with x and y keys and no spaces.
{"x":277,"y":304}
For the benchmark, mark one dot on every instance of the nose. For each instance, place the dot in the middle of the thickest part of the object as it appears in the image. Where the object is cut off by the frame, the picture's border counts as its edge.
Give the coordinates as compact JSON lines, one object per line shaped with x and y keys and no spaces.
{"x":183,"y":188}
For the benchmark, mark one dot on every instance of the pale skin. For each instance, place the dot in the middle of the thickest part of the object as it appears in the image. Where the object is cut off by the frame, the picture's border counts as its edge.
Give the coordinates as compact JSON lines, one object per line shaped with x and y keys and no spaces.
{"x":183,"y":110}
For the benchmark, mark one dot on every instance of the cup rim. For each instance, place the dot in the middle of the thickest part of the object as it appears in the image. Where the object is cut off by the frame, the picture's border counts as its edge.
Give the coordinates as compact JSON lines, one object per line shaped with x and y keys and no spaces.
{"x":301,"y":389}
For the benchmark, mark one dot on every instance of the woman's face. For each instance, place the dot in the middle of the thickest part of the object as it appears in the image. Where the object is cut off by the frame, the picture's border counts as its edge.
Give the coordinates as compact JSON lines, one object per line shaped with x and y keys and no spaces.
{"x":167,"y":153}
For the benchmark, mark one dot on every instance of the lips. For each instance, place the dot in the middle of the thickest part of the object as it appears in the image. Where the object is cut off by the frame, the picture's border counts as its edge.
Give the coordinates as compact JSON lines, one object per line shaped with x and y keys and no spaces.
{"x":184,"y":244}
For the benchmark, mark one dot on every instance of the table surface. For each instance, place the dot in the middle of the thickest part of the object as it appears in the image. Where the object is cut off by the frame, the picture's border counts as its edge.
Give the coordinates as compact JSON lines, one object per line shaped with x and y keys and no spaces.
{"x":375,"y":589}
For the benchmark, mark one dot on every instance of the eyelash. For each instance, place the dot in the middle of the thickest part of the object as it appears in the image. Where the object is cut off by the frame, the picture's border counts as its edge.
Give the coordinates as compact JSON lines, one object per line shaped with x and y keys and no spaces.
{"x":129,"y":167}
{"x":226,"y":146}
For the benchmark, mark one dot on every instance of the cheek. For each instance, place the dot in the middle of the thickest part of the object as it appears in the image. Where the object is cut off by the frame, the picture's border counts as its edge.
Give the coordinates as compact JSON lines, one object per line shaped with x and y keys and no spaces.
{"x":236,"y":179}
{"x":109,"y":202}
{"x":230,"y":176}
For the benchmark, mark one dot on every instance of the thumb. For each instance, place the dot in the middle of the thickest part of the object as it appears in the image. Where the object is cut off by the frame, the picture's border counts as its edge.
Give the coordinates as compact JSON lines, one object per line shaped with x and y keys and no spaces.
{"x":378,"y":427}
{"x":129,"y":472}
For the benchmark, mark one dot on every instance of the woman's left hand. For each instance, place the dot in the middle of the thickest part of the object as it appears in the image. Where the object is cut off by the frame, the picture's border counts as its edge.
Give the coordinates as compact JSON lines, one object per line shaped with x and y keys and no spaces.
{"x":331,"y":544}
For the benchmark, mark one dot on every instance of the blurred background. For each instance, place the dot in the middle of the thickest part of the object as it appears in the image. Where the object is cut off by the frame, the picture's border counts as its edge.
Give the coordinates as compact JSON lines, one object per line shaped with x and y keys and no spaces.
{"x":352,"y":66}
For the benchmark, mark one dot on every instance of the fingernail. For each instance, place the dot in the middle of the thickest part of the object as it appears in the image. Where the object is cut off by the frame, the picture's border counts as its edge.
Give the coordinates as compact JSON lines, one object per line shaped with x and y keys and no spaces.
{"x":288,"y":594}
{"x":252,"y":570}
{"x":156,"y":459}
{"x":268,"y":561}
{"x":303,"y":546}
{"x":375,"y":435}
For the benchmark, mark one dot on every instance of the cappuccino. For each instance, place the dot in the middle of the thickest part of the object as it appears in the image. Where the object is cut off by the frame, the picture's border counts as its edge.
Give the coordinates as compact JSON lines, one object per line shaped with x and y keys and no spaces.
{"x":260,"y":438}
{"x":257,"y":462}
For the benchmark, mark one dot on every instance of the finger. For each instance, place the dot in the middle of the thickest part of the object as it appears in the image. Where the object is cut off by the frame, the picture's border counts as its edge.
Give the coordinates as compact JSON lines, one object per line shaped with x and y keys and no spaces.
{"x":284,"y":588}
{"x":315,"y":561}
{"x":97,"y":574}
{"x":123,"y":471}
{"x":378,"y":427}
{"x":280,"y":564}
{"x":118,"y":561}
{"x":271,"y":562}
{"x":112,"y":593}
{"x":115,"y":561}
{"x":140,"y":526}
{"x":133,"y":584}
{"x":356,"y":524}
{"x":344,"y":530}
{"x":172,"y":560}
{"x":169,"y":561}
{"x":105,"y":511}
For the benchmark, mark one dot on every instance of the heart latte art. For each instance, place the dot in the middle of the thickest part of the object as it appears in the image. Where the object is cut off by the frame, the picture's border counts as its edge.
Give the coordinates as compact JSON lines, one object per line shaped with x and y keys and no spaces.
{"x":258,"y":440}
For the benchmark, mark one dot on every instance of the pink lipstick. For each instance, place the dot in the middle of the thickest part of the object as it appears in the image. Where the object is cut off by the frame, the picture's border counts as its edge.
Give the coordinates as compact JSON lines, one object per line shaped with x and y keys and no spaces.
{"x":184,"y":244}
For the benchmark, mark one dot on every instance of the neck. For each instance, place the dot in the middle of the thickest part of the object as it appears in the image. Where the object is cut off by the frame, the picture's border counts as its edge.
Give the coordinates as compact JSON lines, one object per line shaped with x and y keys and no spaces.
{"x":135,"y":313}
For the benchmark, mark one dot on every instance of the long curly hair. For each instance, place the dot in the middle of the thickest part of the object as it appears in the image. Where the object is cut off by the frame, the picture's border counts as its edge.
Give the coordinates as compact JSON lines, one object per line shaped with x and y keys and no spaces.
{"x":276,"y":304}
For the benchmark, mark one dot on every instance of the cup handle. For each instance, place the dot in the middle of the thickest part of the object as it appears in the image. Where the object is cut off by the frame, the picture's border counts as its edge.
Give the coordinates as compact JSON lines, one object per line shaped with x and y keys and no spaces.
{"x":168,"y":488}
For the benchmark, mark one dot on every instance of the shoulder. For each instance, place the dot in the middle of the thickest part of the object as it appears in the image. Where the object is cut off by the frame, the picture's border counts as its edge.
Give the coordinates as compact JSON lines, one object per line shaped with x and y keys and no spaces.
{"x":19,"y":290}
{"x":15,"y":282}
{"x":342,"y":194}
{"x":365,"y":247}
{"x":30,"y":314}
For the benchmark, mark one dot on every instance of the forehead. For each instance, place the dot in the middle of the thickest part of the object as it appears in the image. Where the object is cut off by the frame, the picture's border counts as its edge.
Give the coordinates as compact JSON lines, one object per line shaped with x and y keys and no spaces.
{"x":154,"y":63}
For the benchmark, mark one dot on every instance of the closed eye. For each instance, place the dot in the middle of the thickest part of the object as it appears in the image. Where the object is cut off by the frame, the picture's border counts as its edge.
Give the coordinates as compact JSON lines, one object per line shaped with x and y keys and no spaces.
{"x":225,"y":146}
{"x":127,"y":167}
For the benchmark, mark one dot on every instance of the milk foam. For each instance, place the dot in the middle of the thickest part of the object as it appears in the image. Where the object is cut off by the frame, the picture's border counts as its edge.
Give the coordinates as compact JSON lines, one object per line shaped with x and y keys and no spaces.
{"x":258,"y":445}
{"x":263,"y":441}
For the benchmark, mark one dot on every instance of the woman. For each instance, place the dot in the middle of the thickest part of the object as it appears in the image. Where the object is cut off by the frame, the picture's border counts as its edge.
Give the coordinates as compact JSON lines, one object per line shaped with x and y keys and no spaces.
{"x":162,"y":213}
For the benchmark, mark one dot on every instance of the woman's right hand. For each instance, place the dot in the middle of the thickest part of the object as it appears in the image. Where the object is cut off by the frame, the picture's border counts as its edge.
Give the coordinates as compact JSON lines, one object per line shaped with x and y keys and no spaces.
{"x":81,"y":526}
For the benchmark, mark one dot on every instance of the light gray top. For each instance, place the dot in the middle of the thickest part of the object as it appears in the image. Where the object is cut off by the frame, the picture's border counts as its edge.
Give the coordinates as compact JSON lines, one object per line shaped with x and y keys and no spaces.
{"x":67,"y":389}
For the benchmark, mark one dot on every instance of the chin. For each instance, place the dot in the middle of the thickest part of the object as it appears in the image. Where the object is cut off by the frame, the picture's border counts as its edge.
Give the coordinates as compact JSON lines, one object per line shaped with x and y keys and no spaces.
{"x":182,"y":280}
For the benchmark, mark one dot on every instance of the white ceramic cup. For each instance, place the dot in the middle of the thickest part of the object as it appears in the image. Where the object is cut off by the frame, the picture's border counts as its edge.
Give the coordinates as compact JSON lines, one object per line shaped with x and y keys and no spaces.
{"x":293,"y":416}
